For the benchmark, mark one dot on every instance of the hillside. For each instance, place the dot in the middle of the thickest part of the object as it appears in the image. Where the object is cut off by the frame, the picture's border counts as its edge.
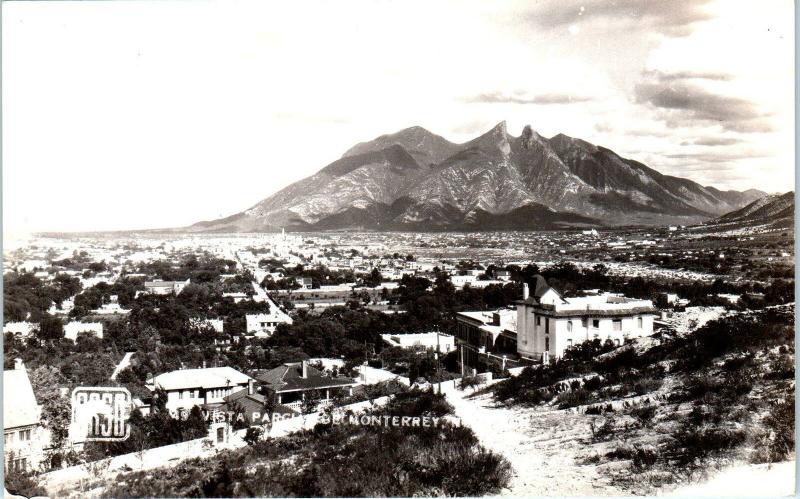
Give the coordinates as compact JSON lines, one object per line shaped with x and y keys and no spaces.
{"x":767,"y":214}
{"x":661,"y":410}
{"x":417,"y":180}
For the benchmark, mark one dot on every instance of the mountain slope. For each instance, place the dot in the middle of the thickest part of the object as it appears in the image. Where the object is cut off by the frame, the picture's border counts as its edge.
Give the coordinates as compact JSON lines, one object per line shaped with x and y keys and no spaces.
{"x":774,"y":212}
{"x":414,"y":179}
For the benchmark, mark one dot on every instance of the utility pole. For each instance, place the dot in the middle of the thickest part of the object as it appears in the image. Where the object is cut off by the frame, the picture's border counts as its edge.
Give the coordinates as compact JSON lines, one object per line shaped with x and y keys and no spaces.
{"x":438,"y":361}
{"x":461,"y":350}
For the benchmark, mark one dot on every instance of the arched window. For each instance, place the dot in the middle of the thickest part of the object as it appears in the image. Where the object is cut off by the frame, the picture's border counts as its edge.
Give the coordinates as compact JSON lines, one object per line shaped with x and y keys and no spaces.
{"x":569,"y":326}
{"x":640,"y":322}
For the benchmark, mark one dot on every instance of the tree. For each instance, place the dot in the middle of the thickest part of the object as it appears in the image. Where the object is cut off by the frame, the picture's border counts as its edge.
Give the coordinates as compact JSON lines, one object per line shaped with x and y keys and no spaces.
{"x":47,"y":382}
{"x":253,"y":435}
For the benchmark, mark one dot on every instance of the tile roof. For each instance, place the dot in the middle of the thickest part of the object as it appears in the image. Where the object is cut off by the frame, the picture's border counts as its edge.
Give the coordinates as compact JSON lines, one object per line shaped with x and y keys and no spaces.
{"x":288,"y":377}
{"x":250,"y":403}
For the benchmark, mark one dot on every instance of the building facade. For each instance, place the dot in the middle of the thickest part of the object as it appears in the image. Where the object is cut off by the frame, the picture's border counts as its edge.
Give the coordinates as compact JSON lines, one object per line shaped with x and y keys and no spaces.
{"x":205,"y":387}
{"x":25,"y":438}
{"x":548,"y":324}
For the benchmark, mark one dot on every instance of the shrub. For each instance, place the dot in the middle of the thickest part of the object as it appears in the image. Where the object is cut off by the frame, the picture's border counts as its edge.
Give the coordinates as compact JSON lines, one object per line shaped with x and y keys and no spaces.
{"x":573,"y":398}
{"x":777,"y":440}
{"x":252,"y":435}
{"x":23,"y":483}
{"x":644,"y":414}
{"x":470,"y":382}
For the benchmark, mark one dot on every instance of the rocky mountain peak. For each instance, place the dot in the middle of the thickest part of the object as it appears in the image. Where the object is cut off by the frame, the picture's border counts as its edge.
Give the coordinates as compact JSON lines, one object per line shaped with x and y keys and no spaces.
{"x":414,"y":179}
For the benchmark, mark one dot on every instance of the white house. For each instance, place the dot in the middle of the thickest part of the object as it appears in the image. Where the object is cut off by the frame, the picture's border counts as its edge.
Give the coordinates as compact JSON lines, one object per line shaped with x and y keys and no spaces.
{"x":186,"y":388}
{"x":74,"y":328}
{"x":548,"y":324}
{"x":66,"y":307}
{"x":446,"y":343}
{"x":20,"y":329}
{"x":264,"y":325}
{"x":159,"y":287}
{"x":24,"y":436}
{"x":111,"y":308}
{"x":216,"y":324}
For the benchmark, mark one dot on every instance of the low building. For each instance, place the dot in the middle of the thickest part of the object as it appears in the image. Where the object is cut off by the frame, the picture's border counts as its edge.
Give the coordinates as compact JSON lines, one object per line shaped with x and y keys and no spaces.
{"x":236,"y":296}
{"x":75,"y":328}
{"x":66,"y":307}
{"x":292,"y":383}
{"x":486,"y":331}
{"x":503,"y":275}
{"x":25,"y":438}
{"x":264,"y":325}
{"x":159,"y":287}
{"x":304,"y":282}
{"x":111,"y":308}
{"x":428,"y":341}
{"x":548,"y":324}
{"x":250,"y":403}
{"x":218,"y":325}
{"x":204,"y":387}
{"x":20,"y":329}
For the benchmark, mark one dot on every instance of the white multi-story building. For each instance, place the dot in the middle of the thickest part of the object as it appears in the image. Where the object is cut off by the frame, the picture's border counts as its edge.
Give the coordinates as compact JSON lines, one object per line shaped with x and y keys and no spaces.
{"x":186,"y":388}
{"x":548,"y":324}
{"x":24,"y":435}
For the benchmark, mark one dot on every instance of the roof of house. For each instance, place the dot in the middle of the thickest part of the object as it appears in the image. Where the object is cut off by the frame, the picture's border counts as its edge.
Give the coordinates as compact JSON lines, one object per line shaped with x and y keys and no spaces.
{"x":19,"y":402}
{"x":209,"y":377}
{"x":288,"y":377}
{"x":541,"y":287}
{"x":250,"y":403}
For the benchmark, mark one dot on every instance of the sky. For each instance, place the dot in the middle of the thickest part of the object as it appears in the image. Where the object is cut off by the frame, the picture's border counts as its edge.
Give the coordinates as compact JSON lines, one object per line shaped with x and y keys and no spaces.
{"x":148,"y":114}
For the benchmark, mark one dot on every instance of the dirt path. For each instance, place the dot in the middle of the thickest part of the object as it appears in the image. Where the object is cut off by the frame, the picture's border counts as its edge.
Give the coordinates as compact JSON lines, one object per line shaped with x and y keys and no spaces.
{"x":542,"y":447}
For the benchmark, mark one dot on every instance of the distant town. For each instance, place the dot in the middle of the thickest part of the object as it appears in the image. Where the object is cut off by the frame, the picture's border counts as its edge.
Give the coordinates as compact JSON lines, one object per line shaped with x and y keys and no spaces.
{"x":215,"y":335}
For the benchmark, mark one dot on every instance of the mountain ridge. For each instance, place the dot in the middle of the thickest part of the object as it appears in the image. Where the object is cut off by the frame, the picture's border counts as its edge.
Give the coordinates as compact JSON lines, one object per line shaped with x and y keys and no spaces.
{"x":414,"y":179}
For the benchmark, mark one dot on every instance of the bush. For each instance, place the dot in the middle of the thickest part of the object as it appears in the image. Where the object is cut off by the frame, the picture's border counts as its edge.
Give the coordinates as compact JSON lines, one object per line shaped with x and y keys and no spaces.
{"x":776,"y":442}
{"x":470,"y":382}
{"x":573,"y":398}
{"x":253,"y":435}
{"x":23,"y":483}
{"x":644,"y":414}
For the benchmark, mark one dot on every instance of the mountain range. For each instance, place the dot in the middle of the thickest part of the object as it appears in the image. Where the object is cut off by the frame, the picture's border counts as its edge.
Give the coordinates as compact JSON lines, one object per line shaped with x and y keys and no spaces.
{"x":417,"y":180}
{"x":769,"y":213}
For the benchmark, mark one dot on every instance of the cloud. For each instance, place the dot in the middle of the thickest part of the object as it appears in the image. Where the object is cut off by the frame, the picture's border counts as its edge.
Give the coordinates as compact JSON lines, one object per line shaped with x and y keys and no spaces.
{"x":715,"y":158}
{"x":543,"y":99}
{"x":685,"y":104}
{"x":712,"y":141}
{"x":603,"y":127}
{"x":667,"y":76}
{"x":674,"y":17}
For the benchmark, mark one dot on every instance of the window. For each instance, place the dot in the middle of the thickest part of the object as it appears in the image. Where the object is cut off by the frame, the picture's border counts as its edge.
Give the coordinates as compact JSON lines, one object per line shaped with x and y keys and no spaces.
{"x":180,"y":395}
{"x":639,"y":322}
{"x":538,"y":320}
{"x":569,"y":343}
{"x":617,"y":325}
{"x":595,"y":323}
{"x":547,"y":344}
{"x":569,"y":326}
{"x":24,"y":435}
